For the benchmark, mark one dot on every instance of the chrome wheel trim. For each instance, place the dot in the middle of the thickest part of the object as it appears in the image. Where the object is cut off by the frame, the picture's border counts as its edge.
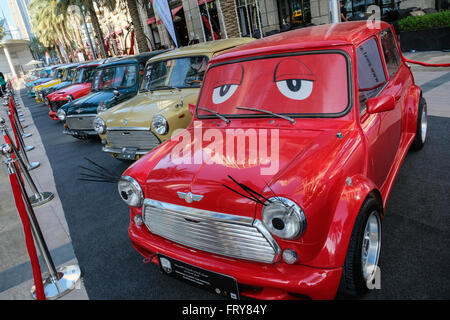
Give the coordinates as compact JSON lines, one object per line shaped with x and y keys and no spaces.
{"x":371,"y":245}
{"x":424,"y":124}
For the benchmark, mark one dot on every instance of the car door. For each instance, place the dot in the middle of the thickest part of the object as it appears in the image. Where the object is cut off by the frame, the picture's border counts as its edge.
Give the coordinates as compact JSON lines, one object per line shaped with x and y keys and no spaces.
{"x":381,"y":130}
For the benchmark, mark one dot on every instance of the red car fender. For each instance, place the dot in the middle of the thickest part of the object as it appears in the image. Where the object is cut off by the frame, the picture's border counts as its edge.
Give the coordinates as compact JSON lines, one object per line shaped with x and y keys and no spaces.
{"x":412,"y":108}
{"x":355,"y":191}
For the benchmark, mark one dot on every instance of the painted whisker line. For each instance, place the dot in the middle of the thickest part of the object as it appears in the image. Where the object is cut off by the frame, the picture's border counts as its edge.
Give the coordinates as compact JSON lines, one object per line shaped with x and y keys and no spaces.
{"x":252,"y":199}
{"x":94,"y":180}
{"x":253,"y":195}
{"x":98,"y":172}
{"x":97,"y":177}
{"x":101,"y":167}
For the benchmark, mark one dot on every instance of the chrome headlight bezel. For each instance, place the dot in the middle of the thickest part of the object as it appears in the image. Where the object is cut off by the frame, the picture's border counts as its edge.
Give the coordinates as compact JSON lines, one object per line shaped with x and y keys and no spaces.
{"x":99,"y":125}
{"x":160,"y":125}
{"x":61,"y":114}
{"x":101,"y":107}
{"x":284,"y":218}
{"x":130,"y":191}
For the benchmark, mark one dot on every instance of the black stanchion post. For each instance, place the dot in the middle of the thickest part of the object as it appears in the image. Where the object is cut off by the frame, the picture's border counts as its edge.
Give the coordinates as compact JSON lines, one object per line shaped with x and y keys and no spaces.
{"x":59,"y":281}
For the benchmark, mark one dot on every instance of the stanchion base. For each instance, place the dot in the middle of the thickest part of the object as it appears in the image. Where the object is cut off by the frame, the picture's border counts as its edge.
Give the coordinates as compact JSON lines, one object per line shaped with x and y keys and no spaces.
{"x":33,"y":165}
{"x":29,"y":148}
{"x":26,"y":135}
{"x":46,"y":196}
{"x":68,"y":279}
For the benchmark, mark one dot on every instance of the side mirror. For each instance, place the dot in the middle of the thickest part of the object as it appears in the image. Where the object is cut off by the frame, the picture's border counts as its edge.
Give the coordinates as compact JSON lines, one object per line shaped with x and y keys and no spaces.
{"x":192,"y":108}
{"x":380,"y":104}
{"x":116,"y":93}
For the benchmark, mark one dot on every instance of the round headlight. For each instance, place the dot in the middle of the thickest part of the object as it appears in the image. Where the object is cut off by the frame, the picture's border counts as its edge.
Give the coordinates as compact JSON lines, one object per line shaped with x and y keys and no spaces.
{"x":284,"y":218}
{"x":130,"y":191}
{"x":101,"y":107}
{"x":61,"y":114}
{"x":99,"y":125}
{"x":160,"y":125}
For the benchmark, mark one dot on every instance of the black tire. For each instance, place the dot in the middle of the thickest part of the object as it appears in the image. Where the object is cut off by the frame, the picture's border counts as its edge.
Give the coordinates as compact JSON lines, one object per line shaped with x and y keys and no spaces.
{"x":419,"y":141}
{"x":352,"y":282}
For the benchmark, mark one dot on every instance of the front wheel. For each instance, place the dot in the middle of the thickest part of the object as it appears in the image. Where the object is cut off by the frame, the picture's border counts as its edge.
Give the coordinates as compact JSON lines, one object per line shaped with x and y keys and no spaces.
{"x":361,"y":263}
{"x":422,"y":126}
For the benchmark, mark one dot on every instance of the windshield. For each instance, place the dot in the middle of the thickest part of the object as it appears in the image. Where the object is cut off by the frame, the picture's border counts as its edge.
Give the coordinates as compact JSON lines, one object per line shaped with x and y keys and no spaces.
{"x":294,"y":85}
{"x":68,"y":74}
{"x":115,"y":77}
{"x":44,"y":74}
{"x":59,"y":73}
{"x":179,"y":73}
{"x":83,"y":75}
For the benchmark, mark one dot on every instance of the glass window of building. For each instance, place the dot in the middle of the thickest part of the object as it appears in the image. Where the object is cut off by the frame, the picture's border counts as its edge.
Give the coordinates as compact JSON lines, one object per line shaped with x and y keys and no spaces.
{"x":293,"y":13}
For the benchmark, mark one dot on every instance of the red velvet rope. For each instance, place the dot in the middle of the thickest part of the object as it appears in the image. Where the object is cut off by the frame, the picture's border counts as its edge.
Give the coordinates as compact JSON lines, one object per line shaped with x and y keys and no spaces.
{"x":13,"y":123}
{"x":40,"y":295}
{"x":425,"y":64}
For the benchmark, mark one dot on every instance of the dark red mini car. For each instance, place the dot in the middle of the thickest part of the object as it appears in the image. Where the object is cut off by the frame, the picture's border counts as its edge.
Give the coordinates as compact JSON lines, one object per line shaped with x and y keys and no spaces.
{"x":278,"y":188}
{"x":80,"y":87}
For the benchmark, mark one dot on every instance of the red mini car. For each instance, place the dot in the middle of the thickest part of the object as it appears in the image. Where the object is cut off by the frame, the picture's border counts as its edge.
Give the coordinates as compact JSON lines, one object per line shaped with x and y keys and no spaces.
{"x":278,"y":188}
{"x":80,"y":87}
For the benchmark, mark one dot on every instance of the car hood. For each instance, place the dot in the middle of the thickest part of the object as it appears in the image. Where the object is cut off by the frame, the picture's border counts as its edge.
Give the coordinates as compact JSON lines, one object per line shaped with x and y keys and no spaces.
{"x":89,"y":103}
{"x":76,"y":87}
{"x":38,"y":82}
{"x":61,"y":85}
{"x":140,"y":110}
{"x":49,"y":83}
{"x":304,"y":159}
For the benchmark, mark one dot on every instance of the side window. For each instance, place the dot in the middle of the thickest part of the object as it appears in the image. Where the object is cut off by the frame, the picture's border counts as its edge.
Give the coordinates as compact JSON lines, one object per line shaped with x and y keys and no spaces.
{"x":371,"y":75}
{"x":390,"y":51}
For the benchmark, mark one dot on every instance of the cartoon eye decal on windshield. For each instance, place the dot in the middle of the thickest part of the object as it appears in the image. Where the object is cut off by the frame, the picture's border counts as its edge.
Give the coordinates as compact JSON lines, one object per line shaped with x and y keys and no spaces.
{"x":294,"y":80}
{"x":228,"y":84}
{"x":223,"y":93}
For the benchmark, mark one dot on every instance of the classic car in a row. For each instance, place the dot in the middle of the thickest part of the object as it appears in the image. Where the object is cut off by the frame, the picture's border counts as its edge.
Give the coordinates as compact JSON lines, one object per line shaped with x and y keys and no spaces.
{"x":113,"y":83}
{"x":46,"y":74}
{"x":172,"y":81}
{"x":81,"y":86}
{"x":278,"y":187}
{"x":62,"y":74}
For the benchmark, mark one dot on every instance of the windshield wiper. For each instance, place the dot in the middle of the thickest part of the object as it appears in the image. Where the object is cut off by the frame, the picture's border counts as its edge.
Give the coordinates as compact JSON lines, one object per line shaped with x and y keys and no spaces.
{"x":216,"y":113}
{"x":291,"y":120}
{"x":165,"y":87}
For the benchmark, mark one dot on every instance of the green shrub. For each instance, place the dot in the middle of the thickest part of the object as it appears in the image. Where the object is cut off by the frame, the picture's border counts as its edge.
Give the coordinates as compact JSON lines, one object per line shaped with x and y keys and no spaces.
{"x":429,"y":21}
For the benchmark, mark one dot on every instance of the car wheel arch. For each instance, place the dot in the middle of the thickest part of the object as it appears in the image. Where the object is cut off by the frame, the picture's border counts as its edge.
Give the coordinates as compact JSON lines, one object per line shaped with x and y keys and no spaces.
{"x":356,"y":190}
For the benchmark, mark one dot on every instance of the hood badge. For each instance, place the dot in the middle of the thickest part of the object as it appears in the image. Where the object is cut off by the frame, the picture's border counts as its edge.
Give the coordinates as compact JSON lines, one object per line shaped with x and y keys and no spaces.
{"x":124,"y":122}
{"x":189,"y":196}
{"x":78,"y":111}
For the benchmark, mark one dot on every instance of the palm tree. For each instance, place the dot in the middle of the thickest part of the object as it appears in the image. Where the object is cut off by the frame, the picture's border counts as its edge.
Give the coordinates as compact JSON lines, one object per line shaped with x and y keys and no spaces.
{"x":2,"y":32}
{"x":48,"y":26}
{"x":141,"y":39}
{"x":88,"y":5}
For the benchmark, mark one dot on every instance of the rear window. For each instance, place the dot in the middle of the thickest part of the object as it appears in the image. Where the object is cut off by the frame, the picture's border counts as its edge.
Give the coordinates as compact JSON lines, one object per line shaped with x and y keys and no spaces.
{"x":390,"y":51}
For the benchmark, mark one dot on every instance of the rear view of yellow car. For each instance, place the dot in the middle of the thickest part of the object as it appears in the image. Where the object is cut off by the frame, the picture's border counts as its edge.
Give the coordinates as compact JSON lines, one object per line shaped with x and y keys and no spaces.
{"x":171,"y":82}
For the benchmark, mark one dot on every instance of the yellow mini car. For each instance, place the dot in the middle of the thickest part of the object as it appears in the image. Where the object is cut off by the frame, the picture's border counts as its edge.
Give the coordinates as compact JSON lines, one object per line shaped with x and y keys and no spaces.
{"x":57,"y":78}
{"x":171,"y":82}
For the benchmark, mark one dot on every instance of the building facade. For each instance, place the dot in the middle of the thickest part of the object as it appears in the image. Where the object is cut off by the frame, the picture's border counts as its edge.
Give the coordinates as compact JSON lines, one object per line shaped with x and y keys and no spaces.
{"x":204,"y":20}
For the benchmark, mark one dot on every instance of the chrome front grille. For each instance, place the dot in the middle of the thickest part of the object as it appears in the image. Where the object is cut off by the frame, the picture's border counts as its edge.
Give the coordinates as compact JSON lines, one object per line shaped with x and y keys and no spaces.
{"x":81,"y":122}
{"x":218,"y":233}
{"x":141,"y":139}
